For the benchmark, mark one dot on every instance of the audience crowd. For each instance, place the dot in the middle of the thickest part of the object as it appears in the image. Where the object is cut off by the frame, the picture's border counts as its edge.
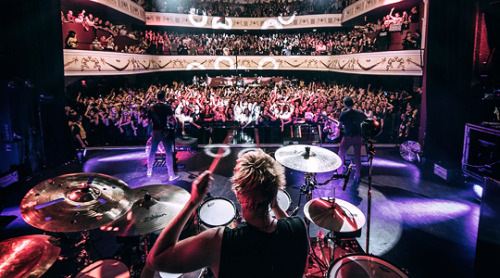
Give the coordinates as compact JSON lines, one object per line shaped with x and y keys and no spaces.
{"x":120,"y":117}
{"x":247,"y":8}
{"x":367,"y":38}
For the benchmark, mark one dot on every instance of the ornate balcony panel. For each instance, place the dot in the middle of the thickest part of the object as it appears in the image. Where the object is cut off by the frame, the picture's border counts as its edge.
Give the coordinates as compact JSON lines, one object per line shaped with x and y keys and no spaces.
{"x":87,"y":63}
{"x":243,"y":23}
{"x":362,"y":6}
{"x":125,"y":6}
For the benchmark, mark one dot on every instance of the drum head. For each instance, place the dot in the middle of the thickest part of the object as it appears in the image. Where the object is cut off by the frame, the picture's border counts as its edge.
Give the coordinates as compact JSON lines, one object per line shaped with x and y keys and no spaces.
{"x":284,"y":201}
{"x":105,"y":269}
{"x":194,"y":274}
{"x":217,"y":212}
{"x":364,"y":265}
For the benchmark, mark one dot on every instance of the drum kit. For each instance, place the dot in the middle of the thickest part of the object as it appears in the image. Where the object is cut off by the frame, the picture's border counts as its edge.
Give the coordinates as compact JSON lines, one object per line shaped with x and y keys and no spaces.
{"x":81,"y":202}
{"x":343,"y":219}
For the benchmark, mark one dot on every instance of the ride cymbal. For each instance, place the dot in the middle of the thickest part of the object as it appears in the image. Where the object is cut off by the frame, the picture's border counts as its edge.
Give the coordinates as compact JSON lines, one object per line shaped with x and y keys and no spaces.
{"x":154,"y":207}
{"x":76,"y":202}
{"x":309,"y":159}
{"x":338,"y":216}
{"x":28,"y":256}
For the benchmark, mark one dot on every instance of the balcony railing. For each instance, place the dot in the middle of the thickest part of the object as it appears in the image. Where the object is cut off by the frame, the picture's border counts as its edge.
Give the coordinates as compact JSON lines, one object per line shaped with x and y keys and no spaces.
{"x":87,"y":63}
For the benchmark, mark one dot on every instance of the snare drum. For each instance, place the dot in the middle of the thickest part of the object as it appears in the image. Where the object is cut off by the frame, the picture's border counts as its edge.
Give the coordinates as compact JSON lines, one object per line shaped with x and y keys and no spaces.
{"x":284,"y":201}
{"x":195,"y":274}
{"x":108,"y":268}
{"x":216,"y":212}
{"x":359,"y":265}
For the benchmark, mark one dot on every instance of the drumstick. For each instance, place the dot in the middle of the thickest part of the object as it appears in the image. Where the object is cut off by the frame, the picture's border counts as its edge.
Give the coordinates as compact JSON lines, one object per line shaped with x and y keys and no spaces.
{"x":256,"y":131}
{"x":220,"y":152}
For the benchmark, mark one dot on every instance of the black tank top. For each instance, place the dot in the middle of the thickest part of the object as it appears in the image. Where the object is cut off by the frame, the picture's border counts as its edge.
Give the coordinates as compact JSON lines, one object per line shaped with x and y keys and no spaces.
{"x":248,"y":252}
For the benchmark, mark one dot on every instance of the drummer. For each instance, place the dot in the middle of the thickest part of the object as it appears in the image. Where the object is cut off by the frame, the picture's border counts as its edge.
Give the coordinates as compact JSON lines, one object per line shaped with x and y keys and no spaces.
{"x":262,"y":246}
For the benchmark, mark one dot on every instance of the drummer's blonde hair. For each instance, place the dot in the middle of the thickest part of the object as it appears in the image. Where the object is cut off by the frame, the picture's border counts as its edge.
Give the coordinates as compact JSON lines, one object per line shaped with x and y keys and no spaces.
{"x":258,"y":177}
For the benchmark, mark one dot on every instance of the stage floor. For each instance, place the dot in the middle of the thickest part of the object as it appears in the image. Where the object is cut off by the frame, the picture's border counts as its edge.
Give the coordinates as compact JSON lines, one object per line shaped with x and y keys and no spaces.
{"x":418,"y":222}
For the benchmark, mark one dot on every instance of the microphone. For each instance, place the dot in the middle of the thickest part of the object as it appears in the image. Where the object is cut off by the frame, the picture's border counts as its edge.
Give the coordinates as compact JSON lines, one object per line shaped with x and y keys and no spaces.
{"x":346,"y":178}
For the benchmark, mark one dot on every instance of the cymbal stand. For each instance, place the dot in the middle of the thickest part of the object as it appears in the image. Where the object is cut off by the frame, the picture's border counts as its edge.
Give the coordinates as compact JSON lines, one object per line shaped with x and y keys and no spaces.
{"x":83,"y":255}
{"x":371,"y":152}
{"x":145,"y":243}
{"x":306,"y":189}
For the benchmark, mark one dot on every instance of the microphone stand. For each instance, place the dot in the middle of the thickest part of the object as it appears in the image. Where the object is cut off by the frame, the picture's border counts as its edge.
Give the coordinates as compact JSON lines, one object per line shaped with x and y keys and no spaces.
{"x":371,"y":153}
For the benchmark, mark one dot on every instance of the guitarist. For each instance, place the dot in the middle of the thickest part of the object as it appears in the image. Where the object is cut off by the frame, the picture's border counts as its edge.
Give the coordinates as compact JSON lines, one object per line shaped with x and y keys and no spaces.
{"x":162,"y":119}
{"x":351,"y":120}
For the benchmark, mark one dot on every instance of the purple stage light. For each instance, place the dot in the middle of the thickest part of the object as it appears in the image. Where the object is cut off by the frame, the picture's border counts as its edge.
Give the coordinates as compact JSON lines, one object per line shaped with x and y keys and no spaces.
{"x":424,"y":212}
{"x":380,"y":162}
{"x":478,"y":190}
{"x":124,"y":157}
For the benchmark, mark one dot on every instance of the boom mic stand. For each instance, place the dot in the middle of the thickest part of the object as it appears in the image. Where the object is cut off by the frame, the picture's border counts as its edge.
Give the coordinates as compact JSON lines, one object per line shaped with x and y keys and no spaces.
{"x":371,"y":152}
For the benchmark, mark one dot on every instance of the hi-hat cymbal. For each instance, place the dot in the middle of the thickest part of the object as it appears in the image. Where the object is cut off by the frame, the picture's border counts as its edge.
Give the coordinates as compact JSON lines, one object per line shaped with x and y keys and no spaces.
{"x":28,"y":256}
{"x":154,"y":207}
{"x":76,"y":202}
{"x":309,"y":159}
{"x":340,"y":216}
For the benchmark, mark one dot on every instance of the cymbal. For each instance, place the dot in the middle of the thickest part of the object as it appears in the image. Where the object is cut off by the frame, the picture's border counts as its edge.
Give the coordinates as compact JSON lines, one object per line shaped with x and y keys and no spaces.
{"x":153,"y":208}
{"x":28,"y":256}
{"x":340,"y":216}
{"x":309,"y":159}
{"x":76,"y":202}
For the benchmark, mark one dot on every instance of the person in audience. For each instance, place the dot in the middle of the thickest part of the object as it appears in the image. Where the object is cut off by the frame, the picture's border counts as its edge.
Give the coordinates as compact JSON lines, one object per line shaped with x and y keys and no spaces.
{"x":409,"y":42}
{"x":70,"y":17}
{"x":71,"y":41}
{"x":305,"y":103}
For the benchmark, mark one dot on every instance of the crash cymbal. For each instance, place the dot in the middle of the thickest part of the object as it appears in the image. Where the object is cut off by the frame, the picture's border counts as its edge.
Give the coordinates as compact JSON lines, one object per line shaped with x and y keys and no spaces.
{"x":340,"y":216}
{"x":309,"y":159}
{"x":76,"y":202}
{"x":28,"y":256}
{"x":154,"y":207}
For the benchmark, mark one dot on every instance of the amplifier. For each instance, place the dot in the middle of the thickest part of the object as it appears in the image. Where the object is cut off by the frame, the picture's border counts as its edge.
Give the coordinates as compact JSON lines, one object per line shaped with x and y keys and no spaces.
{"x":481,"y":152}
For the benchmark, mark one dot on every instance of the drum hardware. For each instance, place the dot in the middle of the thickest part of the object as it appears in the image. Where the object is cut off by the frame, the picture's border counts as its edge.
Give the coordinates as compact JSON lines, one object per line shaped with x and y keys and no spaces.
{"x":28,"y":256}
{"x":217,"y":212}
{"x":284,"y":201}
{"x":309,"y":159}
{"x":76,"y":202}
{"x":336,"y":215}
{"x":107,"y":268}
{"x":153,"y":207}
{"x":325,"y":213}
{"x":364,"y":265}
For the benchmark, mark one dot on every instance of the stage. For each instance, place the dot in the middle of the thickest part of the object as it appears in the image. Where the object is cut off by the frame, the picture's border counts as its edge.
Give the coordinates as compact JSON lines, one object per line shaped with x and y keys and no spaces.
{"x":418,"y":221}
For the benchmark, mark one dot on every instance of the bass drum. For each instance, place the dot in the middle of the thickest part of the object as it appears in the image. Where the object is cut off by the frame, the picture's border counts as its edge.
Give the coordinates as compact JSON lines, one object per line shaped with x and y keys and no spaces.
{"x":108,"y":268}
{"x":195,"y":274}
{"x":364,"y":266}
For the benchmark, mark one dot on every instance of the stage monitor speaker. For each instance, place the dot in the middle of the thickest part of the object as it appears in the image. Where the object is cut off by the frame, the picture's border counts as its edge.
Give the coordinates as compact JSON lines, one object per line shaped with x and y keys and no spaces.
{"x":488,"y":236}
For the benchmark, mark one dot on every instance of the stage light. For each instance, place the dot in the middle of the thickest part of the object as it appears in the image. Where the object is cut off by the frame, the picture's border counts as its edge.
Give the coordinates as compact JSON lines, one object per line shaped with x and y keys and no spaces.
{"x":478,"y":190}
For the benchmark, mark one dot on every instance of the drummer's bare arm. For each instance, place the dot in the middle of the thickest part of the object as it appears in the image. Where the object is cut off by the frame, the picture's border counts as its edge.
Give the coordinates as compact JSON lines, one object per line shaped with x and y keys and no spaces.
{"x":279,"y":213}
{"x":173,"y":256}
